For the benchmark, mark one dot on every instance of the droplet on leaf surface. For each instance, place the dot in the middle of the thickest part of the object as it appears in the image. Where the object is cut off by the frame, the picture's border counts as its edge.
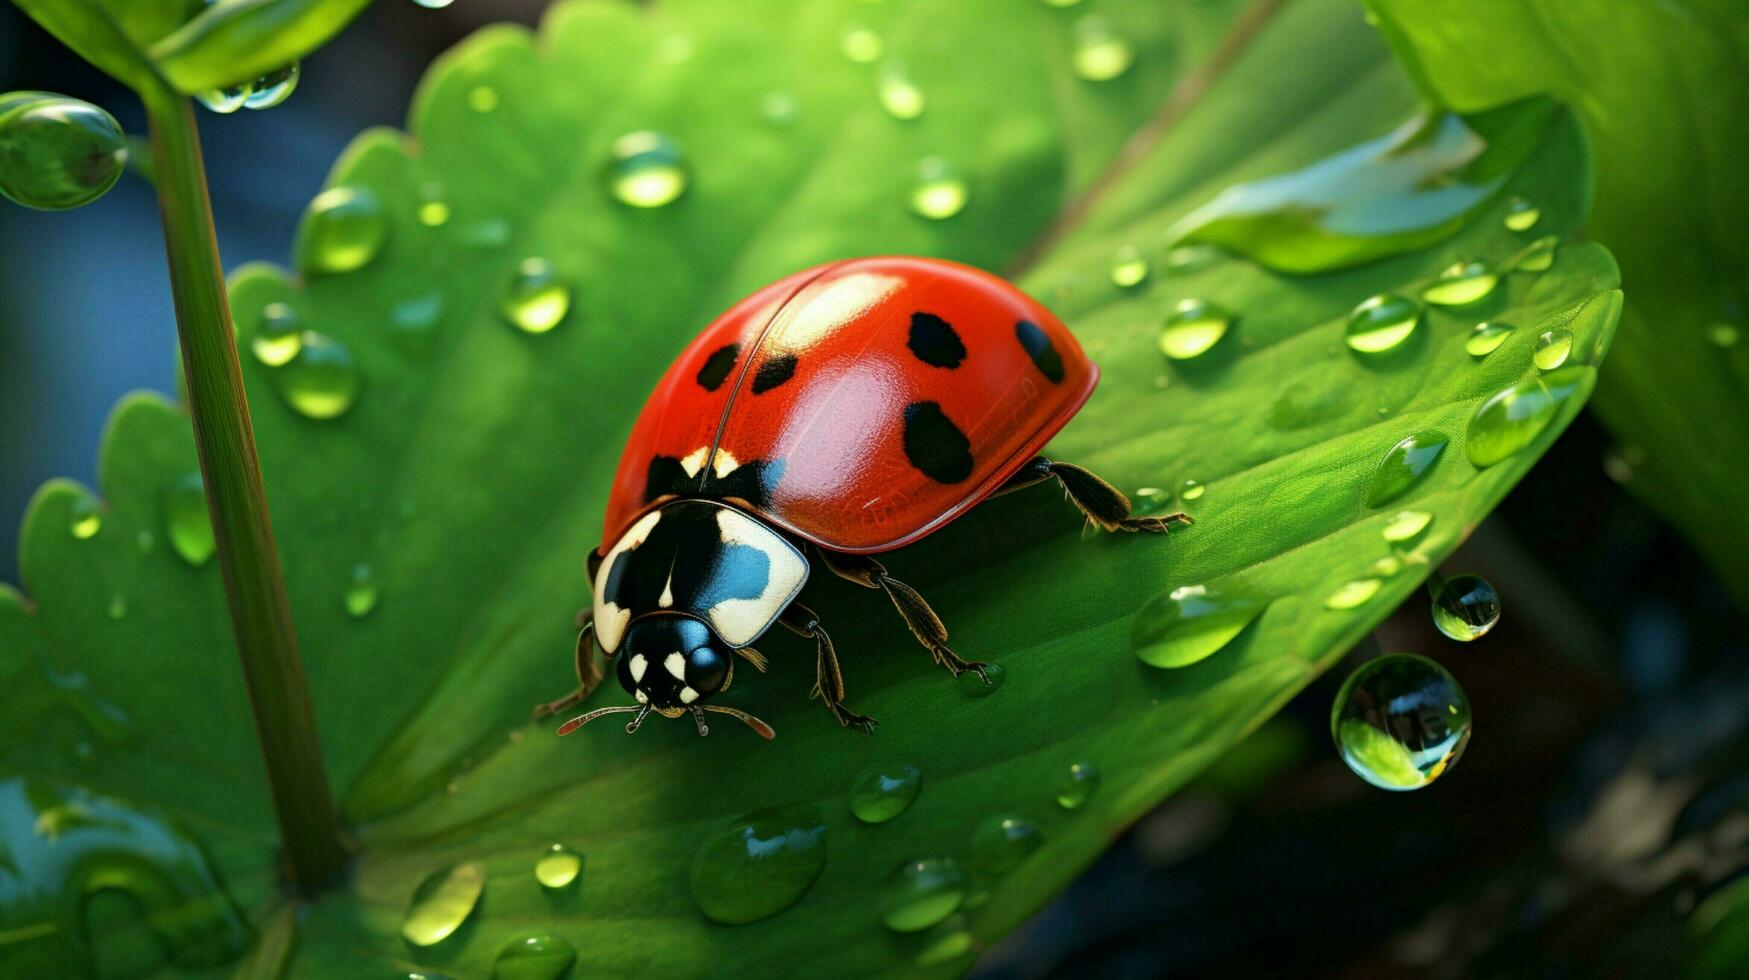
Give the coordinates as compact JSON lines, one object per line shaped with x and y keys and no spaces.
{"x":999,"y":844}
{"x":186,"y":522}
{"x":1552,"y":348}
{"x":1189,"y":624}
{"x":1514,"y":417}
{"x":921,"y":893}
{"x":322,"y":381}
{"x":940,"y":192}
{"x":1403,"y":466}
{"x":760,"y":864}
{"x":534,"y":956}
{"x":558,"y":867}
{"x":648,"y":170}
{"x":278,"y":335}
{"x":1486,"y":338}
{"x":535,"y":299}
{"x":442,"y":902}
{"x":1461,"y":284}
{"x":882,"y":792}
{"x":1192,"y":328}
{"x":1078,"y":786}
{"x":1101,"y":53}
{"x":1381,"y":323}
{"x":342,"y":230}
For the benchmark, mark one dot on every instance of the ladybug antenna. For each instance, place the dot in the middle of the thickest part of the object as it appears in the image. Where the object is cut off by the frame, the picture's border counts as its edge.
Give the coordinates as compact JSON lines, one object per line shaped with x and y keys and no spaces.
{"x":584,"y":719}
{"x":698,"y":719}
{"x":764,"y":730}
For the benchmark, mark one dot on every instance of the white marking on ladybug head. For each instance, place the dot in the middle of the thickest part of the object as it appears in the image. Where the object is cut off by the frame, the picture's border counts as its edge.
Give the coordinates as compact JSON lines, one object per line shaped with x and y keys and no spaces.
{"x":641,"y":696}
{"x":724,"y":463}
{"x":676,"y":665}
{"x":667,"y":597}
{"x":741,"y":621}
{"x":638,"y":665}
{"x":688,"y":695}
{"x":610,"y":618}
{"x":694,"y":461}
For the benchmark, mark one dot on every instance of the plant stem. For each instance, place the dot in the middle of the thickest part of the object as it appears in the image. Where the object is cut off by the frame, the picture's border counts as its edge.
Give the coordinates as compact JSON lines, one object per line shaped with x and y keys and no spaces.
{"x":248,"y":559}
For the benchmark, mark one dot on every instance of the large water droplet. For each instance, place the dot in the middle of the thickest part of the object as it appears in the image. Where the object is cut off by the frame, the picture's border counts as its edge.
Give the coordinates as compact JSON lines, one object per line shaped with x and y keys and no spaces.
{"x":534,"y":956}
{"x":760,"y":865}
{"x":558,"y":867}
{"x":1353,"y":595}
{"x":1552,"y":348}
{"x":361,"y":592}
{"x":1403,"y":466}
{"x":1128,"y":267}
{"x":442,"y":902}
{"x":1192,"y":328}
{"x":1461,"y":284}
{"x":883,"y":792}
{"x":186,"y":522}
{"x":1522,"y":215}
{"x":342,"y":230}
{"x":1465,"y":607}
{"x":999,"y":844}
{"x":535,"y":299}
{"x":84,"y":517}
{"x":273,"y":88}
{"x":648,"y":170}
{"x":973,"y":686}
{"x":940,"y":192}
{"x":1487,"y":338}
{"x":278,"y":335}
{"x":1539,"y":256}
{"x":898,"y":94}
{"x":57,"y":153}
{"x":1400,"y":721}
{"x":1189,"y":624}
{"x":922,"y":893}
{"x":322,"y":381}
{"x":861,"y":45}
{"x":1078,"y":786}
{"x":1512,"y":419}
{"x":1101,"y":53}
{"x":224,"y":100}
{"x":1381,"y":323}
{"x":434,"y":4}
{"x":1406,"y":526}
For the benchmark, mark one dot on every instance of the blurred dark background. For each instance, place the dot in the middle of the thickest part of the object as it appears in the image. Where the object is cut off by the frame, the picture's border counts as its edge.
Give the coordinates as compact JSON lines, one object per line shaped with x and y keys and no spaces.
{"x":1602,"y":801}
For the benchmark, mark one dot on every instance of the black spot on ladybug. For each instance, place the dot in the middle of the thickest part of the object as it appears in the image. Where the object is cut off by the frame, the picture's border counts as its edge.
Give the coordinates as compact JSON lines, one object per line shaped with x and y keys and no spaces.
{"x":934,"y":341}
{"x":935,"y":445}
{"x":775,"y":371}
{"x":751,"y":482}
{"x":716,"y":367}
{"x":1038,"y":347}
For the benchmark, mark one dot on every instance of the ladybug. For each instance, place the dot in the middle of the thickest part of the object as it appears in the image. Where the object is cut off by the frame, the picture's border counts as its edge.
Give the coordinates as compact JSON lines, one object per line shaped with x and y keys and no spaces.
{"x":844,"y":411}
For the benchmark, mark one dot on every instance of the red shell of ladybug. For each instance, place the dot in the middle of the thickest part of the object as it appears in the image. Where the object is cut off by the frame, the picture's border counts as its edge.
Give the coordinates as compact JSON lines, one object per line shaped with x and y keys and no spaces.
{"x":859,"y":405}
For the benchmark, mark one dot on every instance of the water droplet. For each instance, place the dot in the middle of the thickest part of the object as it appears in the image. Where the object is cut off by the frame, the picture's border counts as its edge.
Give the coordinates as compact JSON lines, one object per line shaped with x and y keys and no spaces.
{"x":1101,"y":54}
{"x":1521,"y":215}
{"x":1192,"y":328}
{"x":1189,"y":624}
{"x":534,"y":956}
{"x":1387,"y":566}
{"x":1060,"y":3}
{"x":278,"y":335}
{"x":84,"y":517}
{"x":1406,"y":526}
{"x":1513,"y":418}
{"x":434,"y":4}
{"x":273,"y":88}
{"x":57,"y":153}
{"x":186,"y":522}
{"x":779,"y":108}
{"x":1400,"y":721}
{"x":940,"y":192}
{"x":861,"y":45}
{"x":224,"y":100}
{"x":1487,"y":338}
{"x":1128,"y":267}
{"x":342,"y":230}
{"x":922,"y":893}
{"x":483,"y":99}
{"x":558,"y":867}
{"x":1381,"y":323}
{"x":999,"y":844}
{"x":1723,"y":335}
{"x":648,"y":170}
{"x":883,"y":792}
{"x":1465,"y":607}
{"x":1403,"y":466}
{"x":1552,"y":348}
{"x":322,"y":381}
{"x":1539,"y":256}
{"x":898,"y":94}
{"x":433,"y":209}
{"x":1461,"y":284}
{"x":361,"y":592}
{"x":1191,"y":490}
{"x":535,"y":299}
{"x":760,"y":865}
{"x":973,"y":686}
{"x":118,"y":606}
{"x":1150,"y":500}
{"x":413,"y":321}
{"x":1353,"y":595}
{"x":948,"y":941}
{"x":442,"y":902}
{"x":1078,"y":786}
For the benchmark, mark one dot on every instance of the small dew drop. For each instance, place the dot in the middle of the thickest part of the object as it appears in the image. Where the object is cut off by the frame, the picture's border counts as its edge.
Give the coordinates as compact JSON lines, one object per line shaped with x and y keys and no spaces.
{"x":1400,"y":721}
{"x":759,"y":865}
{"x":1190,"y":624}
{"x":1723,"y":335}
{"x":483,"y":98}
{"x":861,"y":45}
{"x":361,"y":592}
{"x":1521,"y":215}
{"x":948,"y":941}
{"x":1128,"y":267}
{"x":534,"y":956}
{"x":1387,"y":566}
{"x":940,"y":192}
{"x":535,"y":299}
{"x":1403,"y":466}
{"x":322,"y":381}
{"x":1552,"y":348}
{"x":84,"y":517}
{"x":342,"y":230}
{"x":1381,"y":323}
{"x":1078,"y":786}
{"x":1465,"y":607}
{"x":1193,"y":327}
{"x":647,"y":171}
{"x":1150,"y":500}
{"x":1353,"y":595}
{"x":1406,"y":526}
{"x":1000,"y":844}
{"x":779,"y":108}
{"x":1191,"y":490}
{"x":1461,"y":284}
{"x":118,"y":606}
{"x":558,"y":867}
{"x":900,"y":96}
{"x":442,"y":902}
{"x":883,"y":792}
{"x":273,"y":88}
{"x":1539,"y":256}
{"x":1486,"y":338}
{"x":433,"y":209}
{"x":1101,"y":53}
{"x":186,"y":522}
{"x":973,"y":686}
{"x":278,"y":335}
{"x":922,"y":893}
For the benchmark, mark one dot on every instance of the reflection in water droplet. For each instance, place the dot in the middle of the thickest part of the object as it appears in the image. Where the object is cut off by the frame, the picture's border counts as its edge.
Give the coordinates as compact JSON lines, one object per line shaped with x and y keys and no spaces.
{"x":223,"y":100}
{"x":84,"y":517}
{"x":361,"y":592}
{"x":343,"y":229}
{"x":1189,"y":624}
{"x":535,"y":299}
{"x":1539,"y":256}
{"x":648,"y":170}
{"x":278,"y":335}
{"x":186,"y":522}
{"x":273,"y":88}
{"x":57,"y":153}
{"x":1382,"y":322}
{"x":1101,"y":54}
{"x":533,"y":956}
{"x":922,"y":893}
{"x":940,"y":192}
{"x":322,"y":381}
{"x":1192,"y":328}
{"x":1191,"y":490}
{"x":760,"y":865}
{"x":1406,"y":526}
{"x":973,"y":686}
{"x":898,"y":94}
{"x":1078,"y":786}
{"x":558,"y":867}
{"x":1552,"y":348}
{"x":1400,"y":721}
{"x":1461,"y":284}
{"x":1353,"y":594}
{"x":1465,"y":607}
{"x":999,"y":844}
{"x":883,"y":792}
{"x":1487,"y":338}
{"x":1521,"y":215}
{"x":442,"y":902}
{"x":1128,"y":267}
{"x":1513,"y":418}
{"x":1403,"y":466}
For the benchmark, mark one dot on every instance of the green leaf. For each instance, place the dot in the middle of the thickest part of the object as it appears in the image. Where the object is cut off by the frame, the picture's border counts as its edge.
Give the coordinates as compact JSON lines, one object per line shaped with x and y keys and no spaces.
{"x":95,"y":33}
{"x":461,"y":482}
{"x":236,"y":40}
{"x":1663,"y":89}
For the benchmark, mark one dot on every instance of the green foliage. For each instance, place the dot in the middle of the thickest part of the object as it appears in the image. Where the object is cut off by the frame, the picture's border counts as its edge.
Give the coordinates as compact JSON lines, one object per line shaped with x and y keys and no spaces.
{"x":461,"y":481}
{"x":1663,"y":89}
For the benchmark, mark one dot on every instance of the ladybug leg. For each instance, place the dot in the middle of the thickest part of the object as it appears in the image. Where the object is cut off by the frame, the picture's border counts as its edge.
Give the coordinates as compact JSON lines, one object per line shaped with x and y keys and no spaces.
{"x":828,"y":678}
{"x":925,"y":625}
{"x":1104,"y":504}
{"x":588,"y":674}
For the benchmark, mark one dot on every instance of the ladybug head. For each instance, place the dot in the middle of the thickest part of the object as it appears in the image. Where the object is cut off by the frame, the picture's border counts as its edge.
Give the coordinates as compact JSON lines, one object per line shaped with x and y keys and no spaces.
{"x":671,"y":663}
